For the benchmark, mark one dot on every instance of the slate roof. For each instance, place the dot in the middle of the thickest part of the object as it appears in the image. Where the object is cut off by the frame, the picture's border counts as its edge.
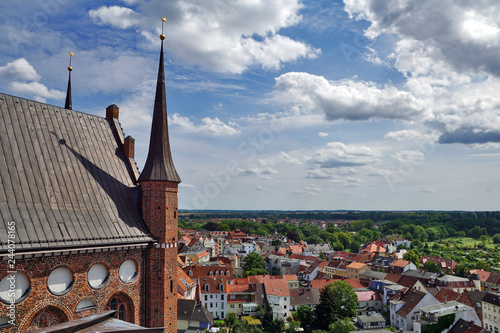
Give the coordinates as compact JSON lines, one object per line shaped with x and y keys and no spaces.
{"x":64,"y":179}
{"x":492,"y":298}
{"x":411,"y":298}
{"x":306,"y":296}
{"x":463,"y":326}
{"x":192,"y":310}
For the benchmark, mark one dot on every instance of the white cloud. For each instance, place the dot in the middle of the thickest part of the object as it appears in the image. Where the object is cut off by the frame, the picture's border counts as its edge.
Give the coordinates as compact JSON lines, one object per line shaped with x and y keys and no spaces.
{"x":466,"y":34}
{"x":313,"y":188}
{"x":19,"y":69}
{"x":208,"y":126}
{"x":412,"y":135}
{"x":257,"y":171}
{"x":37,"y":89}
{"x":322,"y":134}
{"x":337,"y":154}
{"x":346,"y":99}
{"x":224,"y":36}
{"x":120,"y":17}
{"x":415,"y":156}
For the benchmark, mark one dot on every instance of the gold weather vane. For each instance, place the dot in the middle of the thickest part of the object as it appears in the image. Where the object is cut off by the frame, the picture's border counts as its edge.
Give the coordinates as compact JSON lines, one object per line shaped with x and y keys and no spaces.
{"x":163,"y":20}
{"x":71,"y":55}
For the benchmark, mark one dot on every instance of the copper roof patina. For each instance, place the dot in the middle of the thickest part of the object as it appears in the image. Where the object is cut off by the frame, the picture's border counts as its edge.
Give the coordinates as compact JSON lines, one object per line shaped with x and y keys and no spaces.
{"x":159,"y":165}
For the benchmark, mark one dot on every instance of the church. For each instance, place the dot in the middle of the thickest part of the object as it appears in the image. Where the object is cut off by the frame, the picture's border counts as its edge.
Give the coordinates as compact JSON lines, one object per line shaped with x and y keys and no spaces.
{"x":87,"y":241}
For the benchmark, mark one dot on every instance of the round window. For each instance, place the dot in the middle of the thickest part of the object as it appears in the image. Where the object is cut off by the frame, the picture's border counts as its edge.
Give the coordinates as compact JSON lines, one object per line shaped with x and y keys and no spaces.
{"x":128,"y":271}
{"x":60,"y":281}
{"x":98,"y":276}
{"x":14,"y":288}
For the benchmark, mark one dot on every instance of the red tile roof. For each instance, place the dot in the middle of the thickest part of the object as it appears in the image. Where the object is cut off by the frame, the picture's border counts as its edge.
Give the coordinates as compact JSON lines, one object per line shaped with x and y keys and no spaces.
{"x":400,"y":263}
{"x":447,"y":295}
{"x":277,"y":287}
{"x":366,"y":296}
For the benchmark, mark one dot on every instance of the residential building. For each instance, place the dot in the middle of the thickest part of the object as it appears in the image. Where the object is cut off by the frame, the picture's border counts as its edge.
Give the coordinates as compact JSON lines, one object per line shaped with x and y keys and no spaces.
{"x":304,"y":296}
{"x":444,"y":263}
{"x":192,"y":316}
{"x":371,"y":321}
{"x":404,"y":306}
{"x":399,"y":266}
{"x":429,"y":315}
{"x":491,"y":312}
{"x":458,"y":284}
{"x":278,"y":297}
{"x":369,"y":301}
{"x":355,"y":269}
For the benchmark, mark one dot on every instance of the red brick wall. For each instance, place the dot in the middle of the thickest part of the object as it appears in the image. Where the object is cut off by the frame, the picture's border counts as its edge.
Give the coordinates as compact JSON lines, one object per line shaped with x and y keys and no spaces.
{"x":159,"y":210}
{"x":38,"y":269}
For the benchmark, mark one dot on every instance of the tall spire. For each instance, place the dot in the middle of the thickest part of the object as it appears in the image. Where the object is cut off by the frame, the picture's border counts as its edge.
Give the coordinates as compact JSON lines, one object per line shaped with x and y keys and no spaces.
{"x":68,"y":104}
{"x":159,"y":165}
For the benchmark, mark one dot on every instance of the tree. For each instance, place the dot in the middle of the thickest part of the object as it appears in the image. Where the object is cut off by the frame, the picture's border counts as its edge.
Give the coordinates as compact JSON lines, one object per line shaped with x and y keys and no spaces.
{"x":460,"y":270}
{"x":496,"y":238}
{"x":431,"y":266}
{"x":210,"y":226}
{"x":293,"y":326}
{"x":413,"y":257}
{"x":230,"y":320}
{"x":253,"y":264}
{"x":305,"y":314}
{"x":342,"y":326}
{"x":337,"y":301}
{"x":277,"y":326}
{"x":483,"y":264}
{"x":293,"y":235}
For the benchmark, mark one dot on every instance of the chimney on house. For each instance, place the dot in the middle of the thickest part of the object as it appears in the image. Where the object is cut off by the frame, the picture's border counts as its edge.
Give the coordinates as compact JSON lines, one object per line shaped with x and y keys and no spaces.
{"x":129,"y":147}
{"x":112,"y":112}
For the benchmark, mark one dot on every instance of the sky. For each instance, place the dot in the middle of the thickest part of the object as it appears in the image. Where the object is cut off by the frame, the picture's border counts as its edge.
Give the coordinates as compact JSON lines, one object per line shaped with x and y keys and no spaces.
{"x":284,"y":104}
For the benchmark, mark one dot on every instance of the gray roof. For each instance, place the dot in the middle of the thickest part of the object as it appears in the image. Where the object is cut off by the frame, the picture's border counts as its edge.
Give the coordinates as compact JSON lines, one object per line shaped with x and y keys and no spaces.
{"x":374,"y":318}
{"x":419,"y":274}
{"x":307,"y":296}
{"x":374,"y":274}
{"x":192,"y":310}
{"x":64,"y":179}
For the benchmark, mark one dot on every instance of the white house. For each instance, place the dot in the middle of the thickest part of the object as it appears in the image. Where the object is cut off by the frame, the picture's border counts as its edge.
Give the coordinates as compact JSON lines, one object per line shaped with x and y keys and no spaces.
{"x":404,"y":306}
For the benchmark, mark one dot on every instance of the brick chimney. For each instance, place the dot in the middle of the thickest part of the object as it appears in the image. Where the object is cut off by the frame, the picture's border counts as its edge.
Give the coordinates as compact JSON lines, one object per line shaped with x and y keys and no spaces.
{"x":112,"y":112}
{"x":129,"y":147}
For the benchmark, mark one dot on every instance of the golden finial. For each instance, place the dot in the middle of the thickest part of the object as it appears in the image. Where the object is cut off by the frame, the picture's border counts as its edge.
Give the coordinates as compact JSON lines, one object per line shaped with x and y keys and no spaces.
{"x":71,"y":55}
{"x":163,"y":20}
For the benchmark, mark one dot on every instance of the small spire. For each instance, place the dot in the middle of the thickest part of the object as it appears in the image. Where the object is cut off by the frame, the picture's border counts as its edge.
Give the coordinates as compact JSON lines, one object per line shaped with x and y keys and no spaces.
{"x":159,"y":164}
{"x":68,"y":105}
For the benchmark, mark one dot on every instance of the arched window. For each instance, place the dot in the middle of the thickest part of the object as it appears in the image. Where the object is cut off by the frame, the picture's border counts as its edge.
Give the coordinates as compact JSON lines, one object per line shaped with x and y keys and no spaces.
{"x":210,"y":273}
{"x":216,"y":272}
{"x":48,"y":316}
{"x":123,"y":306}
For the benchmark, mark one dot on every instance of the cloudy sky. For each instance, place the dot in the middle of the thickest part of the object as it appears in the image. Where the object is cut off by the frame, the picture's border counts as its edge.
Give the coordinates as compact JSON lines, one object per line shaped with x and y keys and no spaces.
{"x":285,"y":104}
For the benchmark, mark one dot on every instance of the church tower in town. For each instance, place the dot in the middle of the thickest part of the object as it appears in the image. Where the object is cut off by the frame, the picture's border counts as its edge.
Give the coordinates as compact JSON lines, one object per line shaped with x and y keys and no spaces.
{"x":159,"y":182}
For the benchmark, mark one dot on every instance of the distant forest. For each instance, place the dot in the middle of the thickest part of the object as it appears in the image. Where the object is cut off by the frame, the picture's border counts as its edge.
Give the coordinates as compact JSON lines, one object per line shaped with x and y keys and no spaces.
{"x":418,"y":226}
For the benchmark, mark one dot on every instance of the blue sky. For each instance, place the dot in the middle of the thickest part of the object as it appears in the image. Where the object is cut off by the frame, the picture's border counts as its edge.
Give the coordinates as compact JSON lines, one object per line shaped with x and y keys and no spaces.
{"x":284,"y":104}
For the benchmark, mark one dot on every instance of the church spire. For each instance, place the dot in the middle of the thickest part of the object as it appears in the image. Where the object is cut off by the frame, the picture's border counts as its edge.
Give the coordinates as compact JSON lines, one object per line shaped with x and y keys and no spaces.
{"x":159,"y":165}
{"x":68,"y":104}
